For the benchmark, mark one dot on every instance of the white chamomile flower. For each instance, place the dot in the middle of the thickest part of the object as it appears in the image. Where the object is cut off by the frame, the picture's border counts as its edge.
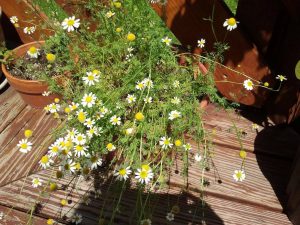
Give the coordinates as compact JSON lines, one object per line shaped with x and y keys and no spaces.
{"x":94,"y":131}
{"x":71,"y":133}
{"x":53,"y":108}
{"x":54,"y":149}
{"x":33,"y":52}
{"x":110,"y":14}
{"x":80,"y":150}
{"x":175,"y":100}
{"x":89,"y":123}
{"x":146,"y":221}
{"x":46,"y":93}
{"x":36,"y":182}
{"x":230,"y":23}
{"x":140,"y":85}
{"x":25,"y":146}
{"x":239,"y":175}
{"x":166,"y":40}
{"x":95,"y":162}
{"x":115,"y":120}
{"x":122,"y":173}
{"x":187,"y":146}
{"x":77,"y":218}
{"x":91,"y":78}
{"x":248,"y":84}
{"x":198,"y":157}
{"x":148,"y":83}
{"x":130,"y":99}
{"x":68,"y":166}
{"x":88,"y":100}
{"x":148,"y":99}
{"x":79,"y":139}
{"x":170,"y":216}
{"x":73,"y":106}
{"x":129,"y":131}
{"x":176,"y":84}
{"x":143,"y":176}
{"x":29,"y":30}
{"x":45,"y":162}
{"x":174,"y":114}
{"x":165,"y":142}
{"x":281,"y":77}
{"x":103,"y":111}
{"x":201,"y":43}
{"x":70,"y":23}
{"x":13,"y":19}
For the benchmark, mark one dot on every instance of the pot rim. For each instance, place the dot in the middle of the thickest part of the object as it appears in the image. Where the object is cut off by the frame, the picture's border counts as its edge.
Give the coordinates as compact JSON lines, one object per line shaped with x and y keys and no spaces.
{"x":11,"y":77}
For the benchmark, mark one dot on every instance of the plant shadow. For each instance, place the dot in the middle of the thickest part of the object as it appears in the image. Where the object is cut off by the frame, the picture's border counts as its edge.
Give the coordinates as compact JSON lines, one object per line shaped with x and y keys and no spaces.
{"x":135,"y":205}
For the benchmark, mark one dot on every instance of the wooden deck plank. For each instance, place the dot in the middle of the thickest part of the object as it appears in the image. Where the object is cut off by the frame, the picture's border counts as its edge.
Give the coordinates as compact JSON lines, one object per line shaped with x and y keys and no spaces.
{"x":11,"y":105}
{"x":259,"y":141}
{"x":16,"y":217}
{"x":13,"y":163}
{"x":217,"y":211}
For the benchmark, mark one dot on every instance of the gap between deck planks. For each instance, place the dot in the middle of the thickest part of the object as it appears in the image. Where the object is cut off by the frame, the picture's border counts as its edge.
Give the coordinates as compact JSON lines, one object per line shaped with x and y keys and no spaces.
{"x":256,"y":192}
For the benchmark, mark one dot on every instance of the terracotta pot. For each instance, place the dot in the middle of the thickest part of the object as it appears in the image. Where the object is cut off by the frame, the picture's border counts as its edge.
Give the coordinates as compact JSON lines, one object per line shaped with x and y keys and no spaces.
{"x":30,"y":90}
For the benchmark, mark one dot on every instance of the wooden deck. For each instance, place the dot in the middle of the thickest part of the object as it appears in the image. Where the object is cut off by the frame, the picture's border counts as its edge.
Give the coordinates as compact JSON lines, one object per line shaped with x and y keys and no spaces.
{"x":257,"y":200}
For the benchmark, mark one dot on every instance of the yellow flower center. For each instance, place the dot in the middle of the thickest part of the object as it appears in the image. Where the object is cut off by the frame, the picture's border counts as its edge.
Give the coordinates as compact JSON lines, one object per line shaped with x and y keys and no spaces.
{"x":63,"y":202}
{"x":139,"y":116}
{"x":50,"y":57}
{"x":81,"y":117}
{"x":109,"y":146}
{"x":32,"y":50}
{"x":45,"y":159}
{"x":249,"y":83}
{"x":130,"y":37}
{"x":50,"y":221}
{"x":79,"y":148}
{"x":71,"y":22}
{"x":78,"y":166}
{"x":266,"y":84}
{"x":117,"y":4}
{"x":122,"y":172}
{"x":115,"y":120}
{"x":178,"y":143}
{"x":55,"y":149}
{"x":36,"y":181}
{"x":166,"y":142}
{"x":67,"y":110}
{"x":118,"y":30}
{"x":96,"y":72}
{"x":88,"y":99}
{"x":243,"y":154}
{"x":91,"y":77}
{"x":28,"y":133}
{"x":239,"y":175}
{"x":79,"y":138}
{"x":231,"y":21}
{"x":65,"y":152}
{"x":143,"y":174}
{"x":145,"y":167}
{"x":24,"y":145}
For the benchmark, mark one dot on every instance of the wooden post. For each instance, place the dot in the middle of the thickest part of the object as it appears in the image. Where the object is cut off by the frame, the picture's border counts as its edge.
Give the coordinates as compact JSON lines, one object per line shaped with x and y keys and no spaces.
{"x":293,"y":191}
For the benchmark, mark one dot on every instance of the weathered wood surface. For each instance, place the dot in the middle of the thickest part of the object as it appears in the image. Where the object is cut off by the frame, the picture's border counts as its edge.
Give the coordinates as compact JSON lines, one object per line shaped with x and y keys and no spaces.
{"x":13,"y":163}
{"x":222,"y":123}
{"x":11,"y":105}
{"x":293,"y":191}
{"x":257,"y":200}
{"x":15,"y":217}
{"x":219,"y":209}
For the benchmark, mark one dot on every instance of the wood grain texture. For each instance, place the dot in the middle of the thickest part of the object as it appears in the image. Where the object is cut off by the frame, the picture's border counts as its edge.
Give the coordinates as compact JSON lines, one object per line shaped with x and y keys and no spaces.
{"x":13,"y":163}
{"x":11,"y":105}
{"x":15,"y":217}
{"x":217,"y":210}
